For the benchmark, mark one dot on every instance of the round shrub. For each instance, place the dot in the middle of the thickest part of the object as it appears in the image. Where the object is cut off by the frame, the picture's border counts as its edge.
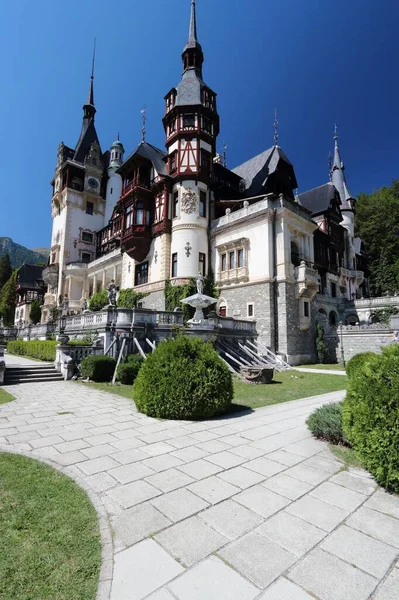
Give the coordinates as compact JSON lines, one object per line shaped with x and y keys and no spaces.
{"x":357,"y":361}
{"x":127,"y":372}
{"x":98,"y":368}
{"x":371,"y":416}
{"x":183,"y":379}
{"x":326,"y":423}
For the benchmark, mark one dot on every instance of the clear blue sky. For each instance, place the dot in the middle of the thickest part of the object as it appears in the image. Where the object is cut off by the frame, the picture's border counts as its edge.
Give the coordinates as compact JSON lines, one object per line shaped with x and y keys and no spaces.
{"x":318,"y":62}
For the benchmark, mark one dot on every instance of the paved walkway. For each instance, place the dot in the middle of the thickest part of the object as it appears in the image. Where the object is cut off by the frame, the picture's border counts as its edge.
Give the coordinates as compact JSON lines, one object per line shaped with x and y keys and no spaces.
{"x":241,"y":508}
{"x":324,"y":371}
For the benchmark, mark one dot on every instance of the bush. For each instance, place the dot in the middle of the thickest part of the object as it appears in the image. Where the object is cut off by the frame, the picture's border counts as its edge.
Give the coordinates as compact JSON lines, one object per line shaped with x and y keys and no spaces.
{"x":99,"y":300}
{"x":321,"y":346}
{"x":98,"y":368}
{"x":326,"y":423}
{"x":357,"y":361}
{"x":35,"y":312}
{"x":127,"y":372}
{"x":44,"y":350}
{"x":371,"y":416}
{"x":128,"y":298}
{"x":183,"y":379}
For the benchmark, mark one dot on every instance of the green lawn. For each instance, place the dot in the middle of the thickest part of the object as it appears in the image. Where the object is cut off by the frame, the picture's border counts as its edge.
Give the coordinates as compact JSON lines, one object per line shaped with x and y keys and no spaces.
{"x":286,"y":386}
{"x":5,"y":397}
{"x":50,"y":546}
{"x":332,"y":367}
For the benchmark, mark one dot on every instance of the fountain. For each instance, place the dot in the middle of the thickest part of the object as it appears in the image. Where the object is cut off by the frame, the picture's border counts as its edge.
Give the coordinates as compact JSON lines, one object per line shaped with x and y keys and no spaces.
{"x":199,"y":301}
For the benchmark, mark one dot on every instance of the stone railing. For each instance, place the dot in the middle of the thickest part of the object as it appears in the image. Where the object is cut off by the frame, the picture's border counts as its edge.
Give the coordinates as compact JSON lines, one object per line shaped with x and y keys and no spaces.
{"x":120,"y":317}
{"x":231,"y":324}
{"x":306,"y":280}
{"x":42,"y":331}
{"x":381,"y":301}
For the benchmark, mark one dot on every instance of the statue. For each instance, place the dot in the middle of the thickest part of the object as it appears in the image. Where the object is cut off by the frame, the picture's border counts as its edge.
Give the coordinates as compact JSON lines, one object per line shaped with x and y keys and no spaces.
{"x":84,"y":305}
{"x":112,"y":290}
{"x":65,"y":305}
{"x":200,"y":284}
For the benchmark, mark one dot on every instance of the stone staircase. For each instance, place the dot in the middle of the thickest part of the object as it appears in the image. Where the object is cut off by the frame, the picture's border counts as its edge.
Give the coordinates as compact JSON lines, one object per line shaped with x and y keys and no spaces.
{"x":31,"y":374}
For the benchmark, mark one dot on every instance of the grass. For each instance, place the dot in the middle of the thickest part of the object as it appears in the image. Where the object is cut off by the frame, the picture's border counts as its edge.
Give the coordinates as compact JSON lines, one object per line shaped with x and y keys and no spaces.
{"x":327,"y":367}
{"x":289,"y":385}
{"x":347,"y":455}
{"x":5,"y":397}
{"x":50,"y":545}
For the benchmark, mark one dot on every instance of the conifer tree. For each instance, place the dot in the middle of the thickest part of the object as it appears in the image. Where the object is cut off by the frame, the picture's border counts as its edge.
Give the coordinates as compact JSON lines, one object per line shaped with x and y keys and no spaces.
{"x":5,"y":270}
{"x":7,"y":300}
{"x":35,"y":312}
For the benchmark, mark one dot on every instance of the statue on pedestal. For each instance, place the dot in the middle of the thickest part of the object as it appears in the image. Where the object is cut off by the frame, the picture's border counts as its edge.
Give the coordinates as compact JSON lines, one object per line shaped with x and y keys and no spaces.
{"x":200,"y":284}
{"x":112,"y":290}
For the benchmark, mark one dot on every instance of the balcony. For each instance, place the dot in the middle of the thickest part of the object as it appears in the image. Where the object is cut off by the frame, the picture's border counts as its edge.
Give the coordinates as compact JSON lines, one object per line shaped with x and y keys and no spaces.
{"x":164,"y":226}
{"x":233,"y":276}
{"x":136,"y":241}
{"x":136,"y":183}
{"x":306,"y":281}
{"x":50,"y":275}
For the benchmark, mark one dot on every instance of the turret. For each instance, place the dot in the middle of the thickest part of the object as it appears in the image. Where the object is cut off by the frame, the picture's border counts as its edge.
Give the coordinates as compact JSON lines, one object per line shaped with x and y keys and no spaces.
{"x":114,"y":184}
{"x":191,"y":125}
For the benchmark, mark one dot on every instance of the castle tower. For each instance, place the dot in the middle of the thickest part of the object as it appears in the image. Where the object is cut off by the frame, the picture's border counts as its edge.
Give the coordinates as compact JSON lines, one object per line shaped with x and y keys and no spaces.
{"x":191,"y":124}
{"x":348,"y":203}
{"x":78,"y":210}
{"x":114,"y":184}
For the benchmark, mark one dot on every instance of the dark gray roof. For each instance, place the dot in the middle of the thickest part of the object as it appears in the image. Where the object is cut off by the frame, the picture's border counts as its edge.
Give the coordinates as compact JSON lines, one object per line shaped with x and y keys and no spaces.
{"x":339,"y":179}
{"x":152,"y":153}
{"x":319,"y":199}
{"x":189,"y":90}
{"x":88,"y":135}
{"x":192,"y":32}
{"x":256,"y":170}
{"x":29,"y":277}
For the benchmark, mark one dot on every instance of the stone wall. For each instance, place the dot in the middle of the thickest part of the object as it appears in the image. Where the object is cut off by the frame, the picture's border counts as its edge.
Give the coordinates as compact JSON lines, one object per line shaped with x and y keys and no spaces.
{"x":298,"y":345}
{"x":261,"y":296}
{"x":154,"y":300}
{"x":359,"y":339}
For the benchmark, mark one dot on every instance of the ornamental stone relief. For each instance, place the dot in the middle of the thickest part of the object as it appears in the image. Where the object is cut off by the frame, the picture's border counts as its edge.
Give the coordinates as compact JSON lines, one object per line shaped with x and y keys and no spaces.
{"x":189,"y":201}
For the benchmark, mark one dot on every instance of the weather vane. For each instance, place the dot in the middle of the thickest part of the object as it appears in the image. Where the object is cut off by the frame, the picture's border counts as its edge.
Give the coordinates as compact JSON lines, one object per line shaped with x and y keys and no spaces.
{"x":144,"y":119}
{"x":275,"y":128}
{"x":335,"y":132}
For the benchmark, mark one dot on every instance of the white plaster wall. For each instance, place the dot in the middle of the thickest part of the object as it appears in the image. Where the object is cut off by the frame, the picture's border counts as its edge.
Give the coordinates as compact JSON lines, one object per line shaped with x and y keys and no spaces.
{"x":114,"y":189}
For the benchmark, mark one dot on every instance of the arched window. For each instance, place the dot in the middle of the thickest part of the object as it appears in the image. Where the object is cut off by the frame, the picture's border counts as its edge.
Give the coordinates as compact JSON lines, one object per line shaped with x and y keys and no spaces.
{"x":351,"y":320}
{"x":332,"y":318}
{"x":295,"y":254}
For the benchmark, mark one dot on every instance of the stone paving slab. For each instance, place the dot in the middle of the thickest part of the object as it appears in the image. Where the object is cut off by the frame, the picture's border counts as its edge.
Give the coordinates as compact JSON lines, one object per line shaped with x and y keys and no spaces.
{"x":250,"y":504}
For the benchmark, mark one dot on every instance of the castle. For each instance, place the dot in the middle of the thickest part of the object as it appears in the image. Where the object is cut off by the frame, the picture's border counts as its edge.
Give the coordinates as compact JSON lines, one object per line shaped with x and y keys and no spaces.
{"x":158,"y":218}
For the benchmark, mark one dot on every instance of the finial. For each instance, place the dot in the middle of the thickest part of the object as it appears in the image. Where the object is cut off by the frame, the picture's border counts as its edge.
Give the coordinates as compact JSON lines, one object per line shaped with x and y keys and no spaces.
{"x":144,"y":119}
{"x":330,"y":165}
{"x":336,"y":134}
{"x":118,"y":136}
{"x":225,"y":146}
{"x":192,"y":34}
{"x":275,"y":128}
{"x":94,"y":59}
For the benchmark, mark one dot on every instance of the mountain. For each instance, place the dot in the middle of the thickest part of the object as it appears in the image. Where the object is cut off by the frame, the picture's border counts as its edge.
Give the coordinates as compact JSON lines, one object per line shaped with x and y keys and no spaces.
{"x":19,"y":254}
{"x":43,"y":251}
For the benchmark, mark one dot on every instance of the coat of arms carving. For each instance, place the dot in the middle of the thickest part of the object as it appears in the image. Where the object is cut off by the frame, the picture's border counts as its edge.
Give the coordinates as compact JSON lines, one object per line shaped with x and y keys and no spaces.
{"x":189,"y":201}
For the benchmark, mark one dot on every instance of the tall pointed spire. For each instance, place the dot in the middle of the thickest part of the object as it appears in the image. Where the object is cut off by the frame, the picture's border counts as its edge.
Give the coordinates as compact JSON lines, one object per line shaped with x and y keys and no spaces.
{"x":89,"y":108}
{"x":275,"y":128}
{"x":192,"y":33}
{"x":338,"y":176}
{"x":192,"y":53}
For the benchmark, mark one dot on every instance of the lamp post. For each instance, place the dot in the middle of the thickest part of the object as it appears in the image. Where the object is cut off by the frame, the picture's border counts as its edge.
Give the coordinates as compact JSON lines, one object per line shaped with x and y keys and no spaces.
{"x":342,"y":354}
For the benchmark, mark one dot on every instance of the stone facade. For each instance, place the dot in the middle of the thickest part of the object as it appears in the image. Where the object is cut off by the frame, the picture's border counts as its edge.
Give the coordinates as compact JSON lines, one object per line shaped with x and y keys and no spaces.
{"x":356,"y":340}
{"x":237,"y":299}
{"x":297,"y":344}
{"x":154,"y":300}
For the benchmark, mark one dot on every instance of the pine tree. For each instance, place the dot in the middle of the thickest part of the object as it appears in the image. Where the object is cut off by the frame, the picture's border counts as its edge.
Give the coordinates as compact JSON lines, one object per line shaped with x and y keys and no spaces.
{"x":35,"y":312}
{"x":5,"y":270}
{"x":7,"y":300}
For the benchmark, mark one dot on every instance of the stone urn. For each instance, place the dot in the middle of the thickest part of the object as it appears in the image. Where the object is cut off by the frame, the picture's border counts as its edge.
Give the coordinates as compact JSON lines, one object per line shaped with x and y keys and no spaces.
{"x":255,"y":374}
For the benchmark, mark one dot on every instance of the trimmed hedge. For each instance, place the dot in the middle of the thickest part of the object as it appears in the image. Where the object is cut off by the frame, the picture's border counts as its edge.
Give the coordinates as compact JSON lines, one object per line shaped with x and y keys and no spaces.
{"x":183,"y":379}
{"x":43,"y":350}
{"x":326,"y":423}
{"x":127,"y":372}
{"x":98,"y":368}
{"x":357,"y":361}
{"x":371,"y":416}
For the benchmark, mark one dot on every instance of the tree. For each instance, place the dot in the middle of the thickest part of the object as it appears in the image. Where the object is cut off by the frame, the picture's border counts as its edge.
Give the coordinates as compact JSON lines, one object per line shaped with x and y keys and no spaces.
{"x":35,"y":314}
{"x":7,"y":300}
{"x":5,"y":270}
{"x":321,"y":346}
{"x":128,"y":298}
{"x":377,"y":224}
{"x":99,"y":300}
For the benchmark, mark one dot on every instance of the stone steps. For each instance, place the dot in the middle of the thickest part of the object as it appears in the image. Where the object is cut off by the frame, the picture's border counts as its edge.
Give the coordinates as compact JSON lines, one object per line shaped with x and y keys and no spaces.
{"x":31,"y":374}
